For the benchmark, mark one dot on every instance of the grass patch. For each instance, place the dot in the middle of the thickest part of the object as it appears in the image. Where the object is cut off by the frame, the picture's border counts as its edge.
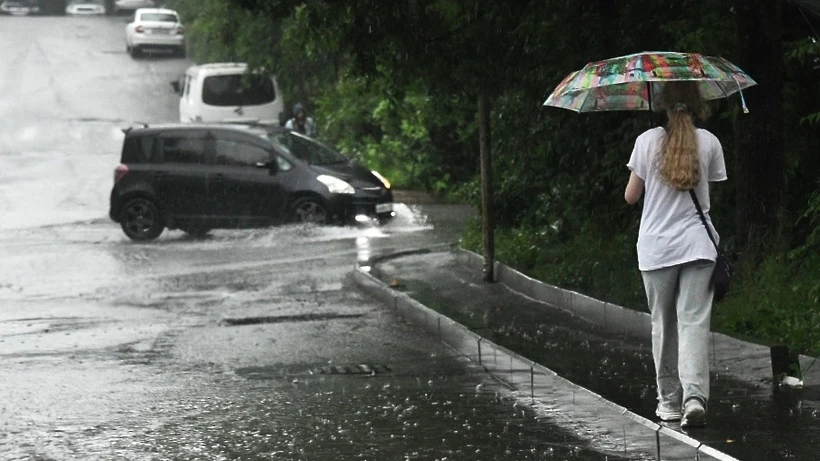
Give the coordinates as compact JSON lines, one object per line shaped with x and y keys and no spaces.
{"x":777,"y":303}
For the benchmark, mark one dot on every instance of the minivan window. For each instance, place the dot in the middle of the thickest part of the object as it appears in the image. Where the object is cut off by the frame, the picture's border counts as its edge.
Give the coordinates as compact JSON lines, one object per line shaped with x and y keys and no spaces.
{"x":138,"y":149}
{"x":237,"y":90}
{"x":181,"y":149}
{"x":146,"y":147}
{"x":236,"y":153}
{"x":159,"y":17}
{"x":308,"y":150}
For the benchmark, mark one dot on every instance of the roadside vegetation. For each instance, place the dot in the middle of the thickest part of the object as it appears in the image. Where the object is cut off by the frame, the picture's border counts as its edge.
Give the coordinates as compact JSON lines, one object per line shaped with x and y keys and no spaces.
{"x":397,"y":85}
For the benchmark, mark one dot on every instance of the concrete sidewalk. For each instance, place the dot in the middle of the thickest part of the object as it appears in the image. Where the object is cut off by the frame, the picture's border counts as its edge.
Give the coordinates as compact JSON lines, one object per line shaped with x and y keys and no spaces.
{"x":604,"y":351}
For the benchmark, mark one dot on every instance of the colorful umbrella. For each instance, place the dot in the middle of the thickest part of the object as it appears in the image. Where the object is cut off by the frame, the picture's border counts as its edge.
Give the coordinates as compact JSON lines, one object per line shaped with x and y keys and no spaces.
{"x":634,"y":81}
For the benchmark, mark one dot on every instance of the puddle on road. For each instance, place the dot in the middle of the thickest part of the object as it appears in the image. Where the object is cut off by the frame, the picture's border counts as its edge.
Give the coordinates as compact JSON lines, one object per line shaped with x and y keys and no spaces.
{"x":272,"y":372}
{"x":289,"y":318}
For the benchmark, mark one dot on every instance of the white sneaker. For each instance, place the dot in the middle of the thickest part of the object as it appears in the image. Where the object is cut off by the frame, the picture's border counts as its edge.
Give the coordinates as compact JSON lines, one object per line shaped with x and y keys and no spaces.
{"x":694,"y":413}
{"x":668,"y":412}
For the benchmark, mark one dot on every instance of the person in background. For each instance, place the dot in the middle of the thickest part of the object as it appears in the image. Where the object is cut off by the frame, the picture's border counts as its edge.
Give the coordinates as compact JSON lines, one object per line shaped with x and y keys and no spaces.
{"x":675,"y":255}
{"x":301,"y":122}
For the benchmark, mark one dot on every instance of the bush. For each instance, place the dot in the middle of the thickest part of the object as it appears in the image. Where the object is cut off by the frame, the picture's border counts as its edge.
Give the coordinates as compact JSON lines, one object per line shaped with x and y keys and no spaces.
{"x":776,"y":303}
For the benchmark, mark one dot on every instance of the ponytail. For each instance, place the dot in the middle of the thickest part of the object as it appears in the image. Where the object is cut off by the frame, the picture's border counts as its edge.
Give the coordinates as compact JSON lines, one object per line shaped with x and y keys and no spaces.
{"x":679,"y":151}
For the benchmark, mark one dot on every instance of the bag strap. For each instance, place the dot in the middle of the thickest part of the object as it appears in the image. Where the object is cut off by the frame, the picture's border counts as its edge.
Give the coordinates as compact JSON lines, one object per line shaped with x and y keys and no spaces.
{"x":702,"y":217}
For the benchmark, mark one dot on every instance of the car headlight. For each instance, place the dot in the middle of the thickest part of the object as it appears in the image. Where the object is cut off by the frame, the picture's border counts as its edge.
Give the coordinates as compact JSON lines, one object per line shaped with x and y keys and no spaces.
{"x":336,"y":185}
{"x":381,"y":178}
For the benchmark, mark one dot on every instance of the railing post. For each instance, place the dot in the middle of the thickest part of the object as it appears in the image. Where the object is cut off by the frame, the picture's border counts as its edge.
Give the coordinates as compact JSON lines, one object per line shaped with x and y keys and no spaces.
{"x":658,"y":441}
{"x":532,"y":382}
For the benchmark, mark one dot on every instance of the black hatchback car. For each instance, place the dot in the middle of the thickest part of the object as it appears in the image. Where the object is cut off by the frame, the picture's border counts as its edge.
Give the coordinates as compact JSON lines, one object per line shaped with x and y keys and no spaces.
{"x":198,"y":177}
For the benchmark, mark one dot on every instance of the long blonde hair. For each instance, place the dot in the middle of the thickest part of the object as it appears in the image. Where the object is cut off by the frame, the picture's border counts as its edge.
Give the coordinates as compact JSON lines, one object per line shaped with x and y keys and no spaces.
{"x":679,"y":151}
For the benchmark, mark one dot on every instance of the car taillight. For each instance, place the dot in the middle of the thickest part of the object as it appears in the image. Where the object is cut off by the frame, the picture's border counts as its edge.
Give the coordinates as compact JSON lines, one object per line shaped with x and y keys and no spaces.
{"x":138,"y":29}
{"x":119,"y":172}
{"x":180,"y":30}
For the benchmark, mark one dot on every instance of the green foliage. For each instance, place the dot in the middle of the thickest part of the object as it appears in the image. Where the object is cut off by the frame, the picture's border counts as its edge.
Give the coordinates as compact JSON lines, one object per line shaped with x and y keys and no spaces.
{"x":810,"y":220}
{"x":777,"y":303}
{"x":409,"y":135}
{"x":218,"y":31}
{"x":812,"y":118}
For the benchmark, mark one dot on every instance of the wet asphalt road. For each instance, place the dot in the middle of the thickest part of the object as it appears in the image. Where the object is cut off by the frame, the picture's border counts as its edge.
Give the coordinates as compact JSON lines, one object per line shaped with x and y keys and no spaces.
{"x":250,"y":344}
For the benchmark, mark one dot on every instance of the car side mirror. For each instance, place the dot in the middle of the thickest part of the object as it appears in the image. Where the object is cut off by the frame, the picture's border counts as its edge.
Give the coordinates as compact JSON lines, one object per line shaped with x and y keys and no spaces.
{"x":176,"y":87}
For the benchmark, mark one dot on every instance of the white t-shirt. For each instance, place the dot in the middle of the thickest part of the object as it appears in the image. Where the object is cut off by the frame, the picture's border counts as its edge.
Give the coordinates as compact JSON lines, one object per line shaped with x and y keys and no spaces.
{"x":671,"y":231}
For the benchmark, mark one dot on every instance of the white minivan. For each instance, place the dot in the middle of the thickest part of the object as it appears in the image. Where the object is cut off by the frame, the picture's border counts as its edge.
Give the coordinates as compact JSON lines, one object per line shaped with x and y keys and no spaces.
{"x":227,"y":93}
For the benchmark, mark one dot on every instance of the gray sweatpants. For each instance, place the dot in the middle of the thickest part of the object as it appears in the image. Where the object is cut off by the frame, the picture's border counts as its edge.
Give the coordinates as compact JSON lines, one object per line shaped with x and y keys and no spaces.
{"x":680,"y":301}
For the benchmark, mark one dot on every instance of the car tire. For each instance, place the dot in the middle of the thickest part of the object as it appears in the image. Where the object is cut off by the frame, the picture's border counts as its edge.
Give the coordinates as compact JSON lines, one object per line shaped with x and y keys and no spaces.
{"x":309,"y":210}
{"x":141,"y":220}
{"x":182,"y":52}
{"x":385,"y":219}
{"x":196,"y":231}
{"x":135,"y":52}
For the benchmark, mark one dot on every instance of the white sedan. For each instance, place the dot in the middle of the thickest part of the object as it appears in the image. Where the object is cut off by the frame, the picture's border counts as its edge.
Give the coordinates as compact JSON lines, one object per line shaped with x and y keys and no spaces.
{"x":19,"y":7}
{"x":84,"y":7}
{"x":155,"y":28}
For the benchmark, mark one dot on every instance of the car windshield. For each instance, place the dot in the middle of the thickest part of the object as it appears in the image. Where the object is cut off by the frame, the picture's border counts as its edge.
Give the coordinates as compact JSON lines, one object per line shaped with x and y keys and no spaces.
{"x":158,"y":17}
{"x":234,"y":90}
{"x":306,"y":149}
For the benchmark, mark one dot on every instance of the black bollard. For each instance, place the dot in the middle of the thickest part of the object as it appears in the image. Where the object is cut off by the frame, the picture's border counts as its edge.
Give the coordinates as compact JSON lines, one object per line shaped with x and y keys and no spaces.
{"x":785,"y":363}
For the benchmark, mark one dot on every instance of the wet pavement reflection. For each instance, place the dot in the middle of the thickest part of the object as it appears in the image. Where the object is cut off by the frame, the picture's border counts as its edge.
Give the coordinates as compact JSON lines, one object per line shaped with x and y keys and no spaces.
{"x":412,"y":417}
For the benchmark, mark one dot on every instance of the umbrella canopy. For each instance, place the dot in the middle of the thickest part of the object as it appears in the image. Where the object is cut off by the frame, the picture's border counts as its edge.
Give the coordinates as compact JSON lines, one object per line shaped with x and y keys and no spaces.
{"x":635,"y":81}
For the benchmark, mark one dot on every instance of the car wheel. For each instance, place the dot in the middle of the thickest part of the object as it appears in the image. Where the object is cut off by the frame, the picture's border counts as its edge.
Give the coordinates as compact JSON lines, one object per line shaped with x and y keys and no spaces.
{"x":141,"y":220}
{"x":182,"y":53}
{"x":308,"y":210}
{"x":135,"y":52}
{"x":196,"y":231}
{"x":385,"y":218}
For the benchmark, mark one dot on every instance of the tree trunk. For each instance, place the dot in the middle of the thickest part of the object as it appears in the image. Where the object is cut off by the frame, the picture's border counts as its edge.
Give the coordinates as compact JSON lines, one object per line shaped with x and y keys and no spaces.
{"x":759,"y":156}
{"x":487,"y":213}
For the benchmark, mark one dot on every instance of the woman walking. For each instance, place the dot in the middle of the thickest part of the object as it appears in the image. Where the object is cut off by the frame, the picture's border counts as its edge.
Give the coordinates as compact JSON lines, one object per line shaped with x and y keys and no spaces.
{"x":675,"y":255}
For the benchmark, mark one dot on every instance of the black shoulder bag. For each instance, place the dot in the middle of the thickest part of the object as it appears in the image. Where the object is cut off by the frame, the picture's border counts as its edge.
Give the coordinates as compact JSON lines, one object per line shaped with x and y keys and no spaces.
{"x":722,"y":275}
